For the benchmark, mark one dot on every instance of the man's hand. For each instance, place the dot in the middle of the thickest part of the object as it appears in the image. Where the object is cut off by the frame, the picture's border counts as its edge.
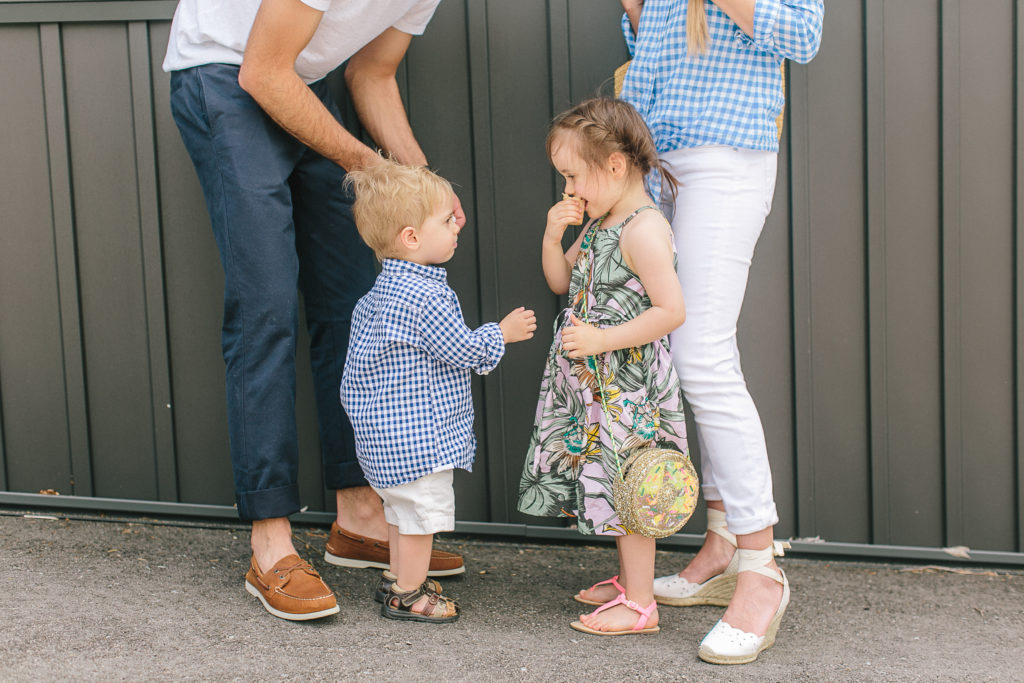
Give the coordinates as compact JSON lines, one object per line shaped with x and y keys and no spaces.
{"x":582,"y":339}
{"x":460,"y":215}
{"x":518,"y":325}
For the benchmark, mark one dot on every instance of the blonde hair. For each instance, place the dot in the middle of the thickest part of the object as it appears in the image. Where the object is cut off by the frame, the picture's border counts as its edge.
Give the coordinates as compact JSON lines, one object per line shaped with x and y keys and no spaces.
{"x":601,"y":126}
{"x":696,"y":27}
{"x":391,"y":196}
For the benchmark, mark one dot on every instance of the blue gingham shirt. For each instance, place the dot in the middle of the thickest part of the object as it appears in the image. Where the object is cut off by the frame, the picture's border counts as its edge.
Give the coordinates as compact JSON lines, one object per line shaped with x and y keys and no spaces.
{"x":406,"y":384}
{"x":732,"y":94}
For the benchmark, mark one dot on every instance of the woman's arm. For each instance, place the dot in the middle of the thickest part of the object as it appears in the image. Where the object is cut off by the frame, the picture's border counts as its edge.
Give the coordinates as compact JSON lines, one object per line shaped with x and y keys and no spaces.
{"x":632,"y":9}
{"x":647,"y":247}
{"x":788,"y":28}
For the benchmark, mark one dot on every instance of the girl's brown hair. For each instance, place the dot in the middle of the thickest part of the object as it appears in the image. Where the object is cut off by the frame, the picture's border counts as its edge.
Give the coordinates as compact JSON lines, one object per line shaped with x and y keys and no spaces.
{"x":601,"y":126}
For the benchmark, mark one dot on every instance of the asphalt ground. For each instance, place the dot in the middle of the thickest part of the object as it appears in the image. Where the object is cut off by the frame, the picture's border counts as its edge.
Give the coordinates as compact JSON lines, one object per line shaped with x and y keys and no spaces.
{"x":89,"y":597}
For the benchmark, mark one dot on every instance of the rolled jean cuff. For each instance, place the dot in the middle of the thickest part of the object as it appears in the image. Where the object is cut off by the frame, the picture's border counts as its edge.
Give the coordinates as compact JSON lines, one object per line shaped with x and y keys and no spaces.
{"x":344,"y":475}
{"x":752,"y":523}
{"x":268,"y":503}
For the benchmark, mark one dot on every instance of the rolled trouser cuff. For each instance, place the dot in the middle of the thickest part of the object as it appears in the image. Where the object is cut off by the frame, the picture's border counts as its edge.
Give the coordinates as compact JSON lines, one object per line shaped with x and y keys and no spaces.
{"x":344,"y":475}
{"x":268,"y":503}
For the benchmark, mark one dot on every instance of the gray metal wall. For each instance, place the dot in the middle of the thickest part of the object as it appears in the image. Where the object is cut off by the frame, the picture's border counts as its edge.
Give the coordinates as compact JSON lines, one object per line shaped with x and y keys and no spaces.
{"x":881,"y":333}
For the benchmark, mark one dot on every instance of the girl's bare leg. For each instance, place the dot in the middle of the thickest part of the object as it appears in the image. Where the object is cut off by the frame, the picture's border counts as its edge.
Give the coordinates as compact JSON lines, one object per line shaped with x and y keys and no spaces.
{"x":636,"y":574}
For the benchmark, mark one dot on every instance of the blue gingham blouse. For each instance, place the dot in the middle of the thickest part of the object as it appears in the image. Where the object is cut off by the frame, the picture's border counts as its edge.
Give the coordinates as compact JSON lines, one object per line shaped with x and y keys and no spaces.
{"x":732,"y":94}
{"x":406,"y":384}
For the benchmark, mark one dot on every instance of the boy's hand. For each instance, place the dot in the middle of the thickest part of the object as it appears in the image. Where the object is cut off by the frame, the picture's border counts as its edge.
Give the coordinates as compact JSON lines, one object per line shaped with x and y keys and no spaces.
{"x":567,"y":212}
{"x":518,"y":325}
{"x":582,"y":339}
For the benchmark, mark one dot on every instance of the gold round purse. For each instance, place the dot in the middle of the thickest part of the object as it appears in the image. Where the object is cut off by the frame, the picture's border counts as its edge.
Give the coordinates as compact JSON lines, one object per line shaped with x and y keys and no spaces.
{"x":656,"y":491}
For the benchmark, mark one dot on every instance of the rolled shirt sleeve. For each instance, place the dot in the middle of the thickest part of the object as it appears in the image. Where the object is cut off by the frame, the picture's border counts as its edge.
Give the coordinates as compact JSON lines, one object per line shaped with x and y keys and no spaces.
{"x":790,"y":29}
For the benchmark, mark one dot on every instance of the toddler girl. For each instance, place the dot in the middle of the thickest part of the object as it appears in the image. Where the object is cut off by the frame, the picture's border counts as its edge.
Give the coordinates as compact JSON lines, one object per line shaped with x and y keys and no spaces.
{"x":609,"y":386}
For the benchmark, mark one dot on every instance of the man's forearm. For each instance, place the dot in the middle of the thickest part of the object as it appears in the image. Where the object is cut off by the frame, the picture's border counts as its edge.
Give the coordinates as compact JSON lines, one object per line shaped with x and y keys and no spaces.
{"x":294,"y":107}
{"x":381,"y":111}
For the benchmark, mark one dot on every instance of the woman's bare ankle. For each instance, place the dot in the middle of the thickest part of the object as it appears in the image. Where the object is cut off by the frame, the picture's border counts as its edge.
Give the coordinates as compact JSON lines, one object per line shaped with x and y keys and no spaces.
{"x":711,"y":560}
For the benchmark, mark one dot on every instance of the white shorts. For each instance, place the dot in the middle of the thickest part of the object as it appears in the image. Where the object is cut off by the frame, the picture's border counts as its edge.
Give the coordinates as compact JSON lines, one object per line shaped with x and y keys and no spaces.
{"x":423,"y":506}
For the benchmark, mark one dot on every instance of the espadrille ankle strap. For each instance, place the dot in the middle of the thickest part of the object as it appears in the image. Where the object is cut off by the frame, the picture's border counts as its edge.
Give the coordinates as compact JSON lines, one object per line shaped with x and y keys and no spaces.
{"x":716,"y":524}
{"x":755,"y":561}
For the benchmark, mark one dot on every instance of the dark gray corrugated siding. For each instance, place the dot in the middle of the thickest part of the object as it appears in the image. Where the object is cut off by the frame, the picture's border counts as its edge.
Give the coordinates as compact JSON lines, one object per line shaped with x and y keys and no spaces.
{"x":882,"y":329}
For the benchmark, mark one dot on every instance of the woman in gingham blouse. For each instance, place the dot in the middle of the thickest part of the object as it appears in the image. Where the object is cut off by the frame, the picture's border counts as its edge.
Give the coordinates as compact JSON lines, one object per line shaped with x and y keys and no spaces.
{"x":706,"y":76}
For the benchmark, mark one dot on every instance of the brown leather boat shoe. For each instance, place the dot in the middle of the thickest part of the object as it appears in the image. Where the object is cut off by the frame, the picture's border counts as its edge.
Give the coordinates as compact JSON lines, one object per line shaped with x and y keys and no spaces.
{"x":346,"y":549}
{"x":291,"y":590}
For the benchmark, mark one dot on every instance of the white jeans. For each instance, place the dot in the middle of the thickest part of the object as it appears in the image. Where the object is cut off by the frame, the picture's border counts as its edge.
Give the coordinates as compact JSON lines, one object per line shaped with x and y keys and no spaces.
{"x":725,"y":195}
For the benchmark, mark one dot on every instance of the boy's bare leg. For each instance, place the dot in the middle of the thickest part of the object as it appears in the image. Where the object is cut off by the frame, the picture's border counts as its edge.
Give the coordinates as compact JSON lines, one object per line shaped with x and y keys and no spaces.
{"x":361,"y":511}
{"x":271,"y":540}
{"x":394,"y":549}
{"x":636,"y":574}
{"x":410,"y":559}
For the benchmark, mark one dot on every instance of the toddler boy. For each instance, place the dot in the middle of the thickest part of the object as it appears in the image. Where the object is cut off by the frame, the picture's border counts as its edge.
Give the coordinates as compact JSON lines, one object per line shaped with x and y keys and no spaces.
{"x":406,"y":383}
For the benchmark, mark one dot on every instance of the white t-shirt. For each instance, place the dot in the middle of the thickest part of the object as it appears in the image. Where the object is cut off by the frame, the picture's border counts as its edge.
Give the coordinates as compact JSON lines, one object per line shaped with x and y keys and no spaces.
{"x":215,"y":31}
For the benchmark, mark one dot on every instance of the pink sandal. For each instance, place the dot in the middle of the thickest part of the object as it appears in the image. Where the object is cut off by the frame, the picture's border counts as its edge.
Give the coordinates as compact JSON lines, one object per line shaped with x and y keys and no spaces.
{"x":614,"y":581}
{"x":641,"y":622}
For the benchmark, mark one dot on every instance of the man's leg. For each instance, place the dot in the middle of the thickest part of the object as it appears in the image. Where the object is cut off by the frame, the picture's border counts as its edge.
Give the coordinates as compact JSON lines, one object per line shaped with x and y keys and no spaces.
{"x":336,"y":268}
{"x":243,"y":161}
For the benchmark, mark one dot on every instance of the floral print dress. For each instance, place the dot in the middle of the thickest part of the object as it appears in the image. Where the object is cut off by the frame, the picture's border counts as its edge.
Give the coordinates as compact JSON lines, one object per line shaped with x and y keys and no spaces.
{"x":571,"y":461}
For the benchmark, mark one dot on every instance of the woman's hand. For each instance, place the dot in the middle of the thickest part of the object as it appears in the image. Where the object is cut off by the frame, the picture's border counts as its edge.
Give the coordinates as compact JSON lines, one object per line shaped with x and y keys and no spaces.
{"x":560,"y":216}
{"x":582,"y":339}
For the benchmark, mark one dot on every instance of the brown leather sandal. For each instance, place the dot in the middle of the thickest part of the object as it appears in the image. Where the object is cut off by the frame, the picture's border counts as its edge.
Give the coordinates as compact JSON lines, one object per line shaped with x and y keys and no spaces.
{"x":387,"y":579}
{"x":439,"y":609}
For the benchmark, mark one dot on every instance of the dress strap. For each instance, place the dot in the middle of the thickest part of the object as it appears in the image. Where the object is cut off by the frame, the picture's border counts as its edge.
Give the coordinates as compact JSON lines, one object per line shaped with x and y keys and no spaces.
{"x":596,"y":225}
{"x":631,"y":216}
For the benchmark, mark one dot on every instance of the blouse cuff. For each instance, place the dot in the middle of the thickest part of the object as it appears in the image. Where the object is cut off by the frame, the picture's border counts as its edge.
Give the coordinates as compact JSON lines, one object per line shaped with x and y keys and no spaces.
{"x":766,"y":15}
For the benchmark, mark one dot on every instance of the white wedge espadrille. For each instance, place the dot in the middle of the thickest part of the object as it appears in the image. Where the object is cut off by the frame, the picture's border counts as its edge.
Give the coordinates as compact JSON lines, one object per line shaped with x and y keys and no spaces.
{"x":727,"y":645}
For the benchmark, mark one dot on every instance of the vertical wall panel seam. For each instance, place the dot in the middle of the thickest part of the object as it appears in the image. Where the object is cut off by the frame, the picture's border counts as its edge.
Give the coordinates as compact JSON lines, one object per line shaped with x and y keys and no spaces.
{"x":1018,"y":236}
{"x":874,"y":167}
{"x":950,"y":231}
{"x":478,"y":53}
{"x":559,"y":32}
{"x":62,"y":207}
{"x":154,"y":296}
{"x":803,"y":403}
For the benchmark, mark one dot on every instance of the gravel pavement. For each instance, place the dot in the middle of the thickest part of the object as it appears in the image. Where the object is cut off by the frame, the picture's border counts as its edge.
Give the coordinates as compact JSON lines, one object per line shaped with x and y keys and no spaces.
{"x":132,"y":598}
